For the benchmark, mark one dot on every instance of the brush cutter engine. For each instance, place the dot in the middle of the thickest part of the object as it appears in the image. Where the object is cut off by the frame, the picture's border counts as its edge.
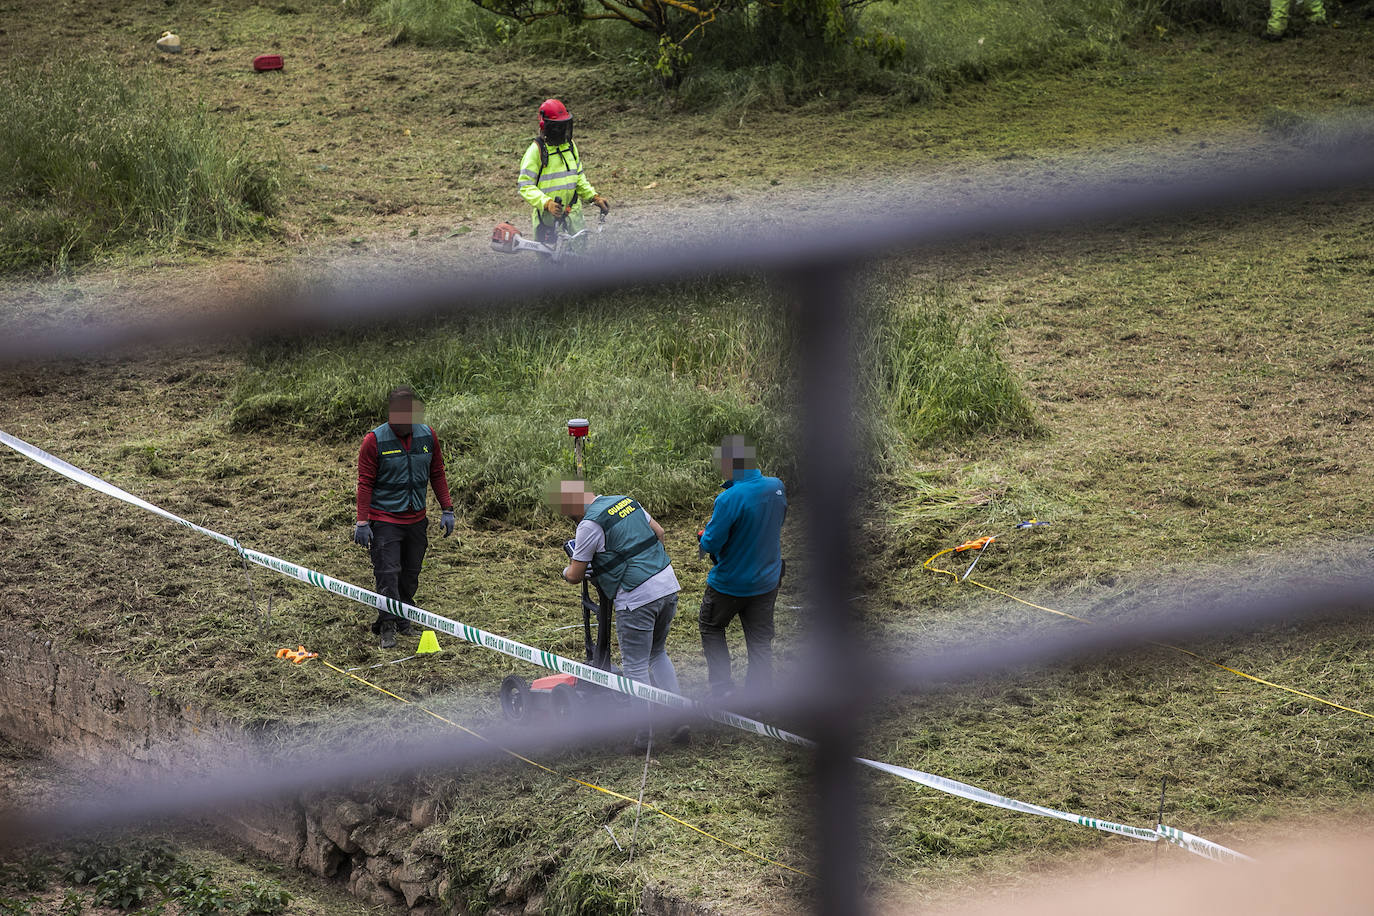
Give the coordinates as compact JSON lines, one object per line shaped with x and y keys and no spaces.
{"x":506,"y":239}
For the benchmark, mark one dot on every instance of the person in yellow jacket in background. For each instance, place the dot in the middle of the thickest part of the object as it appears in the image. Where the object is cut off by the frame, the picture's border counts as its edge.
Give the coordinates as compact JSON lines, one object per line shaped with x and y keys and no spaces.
{"x":1278,"y":16}
{"x":551,"y":178}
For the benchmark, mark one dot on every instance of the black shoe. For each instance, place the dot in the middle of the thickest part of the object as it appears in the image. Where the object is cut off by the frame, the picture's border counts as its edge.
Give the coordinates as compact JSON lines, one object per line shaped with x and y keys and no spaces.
{"x":388,"y":632}
{"x":682,"y":736}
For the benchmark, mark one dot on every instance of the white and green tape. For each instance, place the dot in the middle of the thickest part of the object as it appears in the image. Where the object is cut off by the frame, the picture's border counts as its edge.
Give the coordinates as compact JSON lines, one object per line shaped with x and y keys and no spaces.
{"x":611,"y":681}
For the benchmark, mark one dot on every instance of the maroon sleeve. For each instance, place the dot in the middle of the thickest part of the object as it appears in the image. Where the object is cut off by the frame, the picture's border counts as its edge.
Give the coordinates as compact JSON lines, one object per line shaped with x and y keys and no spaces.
{"x":436,"y":474}
{"x":367,"y":475}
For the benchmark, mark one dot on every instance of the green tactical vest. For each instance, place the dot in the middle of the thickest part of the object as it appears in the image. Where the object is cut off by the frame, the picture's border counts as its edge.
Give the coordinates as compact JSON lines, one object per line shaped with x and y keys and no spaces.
{"x":633,"y":553}
{"x":402,"y":477}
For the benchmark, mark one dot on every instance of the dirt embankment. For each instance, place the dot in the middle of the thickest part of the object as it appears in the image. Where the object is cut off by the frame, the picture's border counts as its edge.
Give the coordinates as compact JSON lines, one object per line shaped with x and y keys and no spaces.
{"x":377,"y":842}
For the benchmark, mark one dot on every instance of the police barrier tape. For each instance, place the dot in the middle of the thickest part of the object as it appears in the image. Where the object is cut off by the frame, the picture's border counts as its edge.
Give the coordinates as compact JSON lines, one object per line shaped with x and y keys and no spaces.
{"x":609,"y":680}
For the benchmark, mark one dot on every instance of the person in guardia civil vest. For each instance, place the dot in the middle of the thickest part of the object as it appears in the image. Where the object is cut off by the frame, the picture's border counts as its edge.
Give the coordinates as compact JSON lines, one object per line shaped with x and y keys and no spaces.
{"x":552,"y":180}
{"x":397,"y":464}
{"x":623,"y":545}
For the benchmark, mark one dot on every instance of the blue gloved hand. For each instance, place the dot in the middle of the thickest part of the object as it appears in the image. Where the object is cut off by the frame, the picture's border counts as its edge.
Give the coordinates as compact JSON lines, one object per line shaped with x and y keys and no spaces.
{"x":446,"y":522}
{"x":362,"y":534}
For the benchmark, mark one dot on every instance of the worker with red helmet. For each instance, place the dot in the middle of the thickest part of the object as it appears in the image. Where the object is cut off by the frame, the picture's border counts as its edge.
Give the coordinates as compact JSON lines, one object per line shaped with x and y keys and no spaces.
{"x":551,"y":178}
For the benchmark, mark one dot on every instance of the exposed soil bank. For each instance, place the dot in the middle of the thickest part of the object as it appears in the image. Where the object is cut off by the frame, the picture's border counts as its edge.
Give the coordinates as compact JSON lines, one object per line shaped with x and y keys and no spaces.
{"x":377,"y":842}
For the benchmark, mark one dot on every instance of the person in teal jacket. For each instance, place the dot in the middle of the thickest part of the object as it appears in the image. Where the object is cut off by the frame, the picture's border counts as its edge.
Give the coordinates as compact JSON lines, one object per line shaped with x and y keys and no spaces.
{"x":552,"y":180}
{"x":744,"y":538}
{"x":1278,"y":15}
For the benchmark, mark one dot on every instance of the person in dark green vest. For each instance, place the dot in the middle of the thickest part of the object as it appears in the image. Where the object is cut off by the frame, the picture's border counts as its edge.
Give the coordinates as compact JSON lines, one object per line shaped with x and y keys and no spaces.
{"x":624,"y":547}
{"x":397,"y":463}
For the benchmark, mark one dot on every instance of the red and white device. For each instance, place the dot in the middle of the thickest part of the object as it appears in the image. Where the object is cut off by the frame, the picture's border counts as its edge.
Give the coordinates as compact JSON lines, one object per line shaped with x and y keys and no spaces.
{"x":578,"y":429}
{"x":506,"y":239}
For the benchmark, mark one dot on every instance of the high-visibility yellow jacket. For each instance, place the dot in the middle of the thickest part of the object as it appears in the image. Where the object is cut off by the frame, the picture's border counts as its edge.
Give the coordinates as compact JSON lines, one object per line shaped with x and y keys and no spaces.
{"x":561,"y":177}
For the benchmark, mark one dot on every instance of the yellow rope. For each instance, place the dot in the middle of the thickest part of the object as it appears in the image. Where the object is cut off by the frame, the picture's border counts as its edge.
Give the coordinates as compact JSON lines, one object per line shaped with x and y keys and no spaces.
{"x":550,"y":770}
{"x":1163,"y":645}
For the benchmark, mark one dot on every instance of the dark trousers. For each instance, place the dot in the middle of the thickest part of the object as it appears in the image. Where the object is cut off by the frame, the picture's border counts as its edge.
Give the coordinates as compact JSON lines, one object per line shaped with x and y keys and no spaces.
{"x":398,"y":552}
{"x":756,"y":616}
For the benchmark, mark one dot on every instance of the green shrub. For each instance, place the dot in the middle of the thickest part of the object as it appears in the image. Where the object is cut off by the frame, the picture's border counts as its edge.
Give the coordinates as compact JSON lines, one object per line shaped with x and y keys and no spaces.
{"x":95,"y":158}
{"x":124,"y":888}
{"x":197,"y":893}
{"x":257,"y":898}
{"x":13,"y":906}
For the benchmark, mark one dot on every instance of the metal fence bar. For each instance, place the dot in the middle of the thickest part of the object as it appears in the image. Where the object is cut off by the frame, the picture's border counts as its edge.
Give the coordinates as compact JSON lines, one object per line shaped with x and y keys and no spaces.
{"x":1172,"y":187}
{"x":824,"y":309}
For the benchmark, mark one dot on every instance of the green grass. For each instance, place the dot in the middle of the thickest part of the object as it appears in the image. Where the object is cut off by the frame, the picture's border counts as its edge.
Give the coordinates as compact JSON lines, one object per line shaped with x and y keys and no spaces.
{"x":935,"y":369}
{"x":95,"y":159}
{"x":660,"y":389}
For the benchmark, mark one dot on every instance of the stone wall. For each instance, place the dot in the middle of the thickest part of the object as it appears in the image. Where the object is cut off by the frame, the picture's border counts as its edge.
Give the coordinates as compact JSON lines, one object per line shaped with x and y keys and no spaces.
{"x":94,"y":721}
{"x":384,"y":844}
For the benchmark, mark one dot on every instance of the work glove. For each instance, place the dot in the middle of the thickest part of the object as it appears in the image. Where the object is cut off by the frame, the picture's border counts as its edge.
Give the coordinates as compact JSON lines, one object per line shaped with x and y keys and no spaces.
{"x":554,"y":207}
{"x":362,"y":534}
{"x":601,"y":204}
{"x":446,"y":522}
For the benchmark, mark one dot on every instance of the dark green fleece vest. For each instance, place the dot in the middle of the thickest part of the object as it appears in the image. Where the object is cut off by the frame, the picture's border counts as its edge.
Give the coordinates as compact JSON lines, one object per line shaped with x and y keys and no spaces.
{"x":402,"y":477}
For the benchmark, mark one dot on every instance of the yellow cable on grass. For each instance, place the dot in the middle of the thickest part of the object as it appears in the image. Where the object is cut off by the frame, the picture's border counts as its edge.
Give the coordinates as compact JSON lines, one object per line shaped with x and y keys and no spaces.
{"x":1162,"y":645}
{"x":589,"y":785}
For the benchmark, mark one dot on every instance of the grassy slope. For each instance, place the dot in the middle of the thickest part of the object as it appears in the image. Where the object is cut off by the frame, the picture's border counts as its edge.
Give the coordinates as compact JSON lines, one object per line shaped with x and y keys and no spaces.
{"x":1097,"y":327}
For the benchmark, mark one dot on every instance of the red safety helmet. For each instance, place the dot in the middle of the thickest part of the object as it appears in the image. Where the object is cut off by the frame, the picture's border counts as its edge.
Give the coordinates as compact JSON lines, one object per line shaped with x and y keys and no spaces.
{"x":555,"y":124}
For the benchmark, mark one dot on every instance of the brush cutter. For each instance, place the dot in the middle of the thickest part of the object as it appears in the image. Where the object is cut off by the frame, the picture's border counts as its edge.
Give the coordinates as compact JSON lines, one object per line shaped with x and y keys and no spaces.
{"x":506,"y":239}
{"x":560,"y":696}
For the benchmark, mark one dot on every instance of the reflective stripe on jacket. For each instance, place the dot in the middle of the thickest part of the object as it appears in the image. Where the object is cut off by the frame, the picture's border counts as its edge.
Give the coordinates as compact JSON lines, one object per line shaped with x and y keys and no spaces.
{"x":561,"y":177}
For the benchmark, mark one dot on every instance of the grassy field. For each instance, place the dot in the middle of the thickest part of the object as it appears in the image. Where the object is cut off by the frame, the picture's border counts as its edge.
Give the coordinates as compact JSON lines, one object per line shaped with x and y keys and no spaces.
{"x":1199,"y":392}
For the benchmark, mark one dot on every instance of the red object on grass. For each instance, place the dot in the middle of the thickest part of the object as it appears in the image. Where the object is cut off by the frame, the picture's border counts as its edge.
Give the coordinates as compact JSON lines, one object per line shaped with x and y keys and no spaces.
{"x":578,"y":428}
{"x":554,"y":680}
{"x":267,"y":62}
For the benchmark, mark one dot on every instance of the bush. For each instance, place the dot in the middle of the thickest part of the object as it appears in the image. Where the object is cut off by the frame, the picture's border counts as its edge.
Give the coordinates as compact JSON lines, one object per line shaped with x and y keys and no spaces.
{"x":753,"y":53}
{"x":95,"y":158}
{"x":265,"y":899}
{"x":124,"y":888}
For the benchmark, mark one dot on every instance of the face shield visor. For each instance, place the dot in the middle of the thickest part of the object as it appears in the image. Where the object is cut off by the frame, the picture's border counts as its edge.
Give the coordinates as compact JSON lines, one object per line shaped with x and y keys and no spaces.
{"x":557,"y":133}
